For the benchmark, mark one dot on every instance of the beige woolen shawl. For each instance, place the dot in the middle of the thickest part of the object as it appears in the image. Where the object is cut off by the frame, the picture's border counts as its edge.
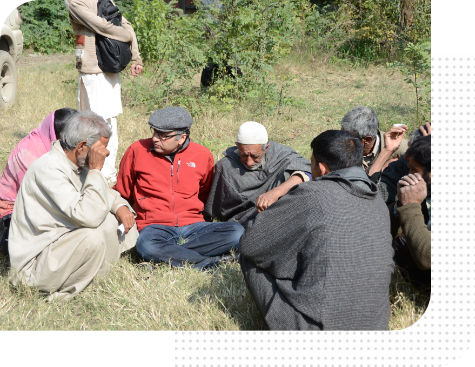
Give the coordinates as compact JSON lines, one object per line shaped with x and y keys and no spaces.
{"x":54,"y":199}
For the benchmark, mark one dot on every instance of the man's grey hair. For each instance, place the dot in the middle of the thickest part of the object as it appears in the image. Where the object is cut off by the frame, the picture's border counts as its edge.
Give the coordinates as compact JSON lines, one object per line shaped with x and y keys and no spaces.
{"x":416,"y":134}
{"x":86,"y":125}
{"x":180,"y":133}
{"x":361,"y":122}
{"x":264,"y":146}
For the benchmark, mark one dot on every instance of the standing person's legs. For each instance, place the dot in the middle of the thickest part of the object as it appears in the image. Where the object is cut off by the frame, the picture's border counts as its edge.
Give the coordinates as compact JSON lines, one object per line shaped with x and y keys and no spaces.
{"x":108,"y":170}
{"x":91,"y":98}
{"x":200,"y":244}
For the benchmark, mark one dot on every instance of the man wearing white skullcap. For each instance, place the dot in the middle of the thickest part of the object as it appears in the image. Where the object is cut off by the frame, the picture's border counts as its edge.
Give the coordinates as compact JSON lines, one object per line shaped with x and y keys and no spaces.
{"x":253,"y":175}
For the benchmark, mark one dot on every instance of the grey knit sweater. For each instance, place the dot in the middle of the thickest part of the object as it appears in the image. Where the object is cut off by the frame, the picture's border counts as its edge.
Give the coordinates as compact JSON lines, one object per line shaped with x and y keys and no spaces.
{"x":320,"y":258}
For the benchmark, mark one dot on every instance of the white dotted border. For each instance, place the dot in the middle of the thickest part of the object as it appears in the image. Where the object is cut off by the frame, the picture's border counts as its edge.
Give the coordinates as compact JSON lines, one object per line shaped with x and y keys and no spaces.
{"x":444,"y":332}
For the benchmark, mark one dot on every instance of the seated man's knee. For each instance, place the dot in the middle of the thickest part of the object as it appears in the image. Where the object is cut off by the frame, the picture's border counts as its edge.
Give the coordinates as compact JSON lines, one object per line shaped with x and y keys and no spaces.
{"x":110,"y":224}
{"x":236,"y":231}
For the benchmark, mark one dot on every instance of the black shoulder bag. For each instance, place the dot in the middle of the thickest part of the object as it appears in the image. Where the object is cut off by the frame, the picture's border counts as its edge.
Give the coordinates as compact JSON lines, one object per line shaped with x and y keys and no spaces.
{"x":113,"y":56}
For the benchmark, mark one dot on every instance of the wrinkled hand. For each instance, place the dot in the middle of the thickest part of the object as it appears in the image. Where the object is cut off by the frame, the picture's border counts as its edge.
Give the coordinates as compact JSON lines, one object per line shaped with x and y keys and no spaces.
{"x":393,"y":137}
{"x":97,"y":155}
{"x":411,"y":189}
{"x":125,"y":216}
{"x":423,"y":131}
{"x":136,"y":69}
{"x":265,"y":200}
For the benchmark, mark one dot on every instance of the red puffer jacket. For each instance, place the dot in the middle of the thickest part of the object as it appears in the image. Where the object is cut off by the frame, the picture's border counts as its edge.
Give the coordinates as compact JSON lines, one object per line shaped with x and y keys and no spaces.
{"x":163,"y":192}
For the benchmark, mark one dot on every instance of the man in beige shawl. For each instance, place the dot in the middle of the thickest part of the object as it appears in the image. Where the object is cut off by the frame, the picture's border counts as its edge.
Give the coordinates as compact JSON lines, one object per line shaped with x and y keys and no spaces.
{"x":65,"y":223}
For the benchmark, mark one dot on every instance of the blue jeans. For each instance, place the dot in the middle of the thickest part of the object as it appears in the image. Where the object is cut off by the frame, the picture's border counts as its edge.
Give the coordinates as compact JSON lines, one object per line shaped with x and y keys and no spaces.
{"x":200,"y":244}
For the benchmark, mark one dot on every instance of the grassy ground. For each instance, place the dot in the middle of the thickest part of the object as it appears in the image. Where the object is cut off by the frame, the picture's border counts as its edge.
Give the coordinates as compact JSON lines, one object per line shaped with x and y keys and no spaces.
{"x":137,"y":296}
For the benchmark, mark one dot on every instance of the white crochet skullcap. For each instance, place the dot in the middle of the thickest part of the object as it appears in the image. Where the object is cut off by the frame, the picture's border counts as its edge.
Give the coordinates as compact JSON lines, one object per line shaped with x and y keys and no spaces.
{"x":252,"y":132}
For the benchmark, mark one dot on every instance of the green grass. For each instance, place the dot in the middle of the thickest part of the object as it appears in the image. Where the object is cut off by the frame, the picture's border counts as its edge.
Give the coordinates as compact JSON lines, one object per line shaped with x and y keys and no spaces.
{"x":137,"y":296}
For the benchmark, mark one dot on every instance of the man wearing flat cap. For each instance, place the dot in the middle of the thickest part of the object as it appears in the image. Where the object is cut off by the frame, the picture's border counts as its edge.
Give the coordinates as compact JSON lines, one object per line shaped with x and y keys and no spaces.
{"x":253,"y":175}
{"x":167,"y":178}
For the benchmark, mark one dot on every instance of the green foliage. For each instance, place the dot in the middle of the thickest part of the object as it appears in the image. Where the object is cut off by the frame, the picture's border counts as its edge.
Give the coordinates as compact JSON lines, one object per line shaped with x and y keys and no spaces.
{"x":46,"y":26}
{"x":370,"y":30}
{"x":252,"y":35}
{"x":172,"y":45}
{"x":416,"y":69}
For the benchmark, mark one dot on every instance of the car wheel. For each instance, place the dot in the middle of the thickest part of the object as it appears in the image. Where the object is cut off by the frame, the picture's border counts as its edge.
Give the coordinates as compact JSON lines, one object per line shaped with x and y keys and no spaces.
{"x":8,"y":79}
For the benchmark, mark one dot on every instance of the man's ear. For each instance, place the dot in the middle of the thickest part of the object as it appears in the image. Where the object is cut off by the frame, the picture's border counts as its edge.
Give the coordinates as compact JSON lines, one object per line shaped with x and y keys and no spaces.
{"x":182,"y":139}
{"x":82,"y":146}
{"x":267,"y":146}
{"x":324,"y":169}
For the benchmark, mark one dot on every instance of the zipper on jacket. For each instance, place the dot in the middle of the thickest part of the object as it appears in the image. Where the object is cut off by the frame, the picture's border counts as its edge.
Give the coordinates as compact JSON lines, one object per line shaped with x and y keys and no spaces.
{"x":178,"y":172}
{"x":173,"y":196}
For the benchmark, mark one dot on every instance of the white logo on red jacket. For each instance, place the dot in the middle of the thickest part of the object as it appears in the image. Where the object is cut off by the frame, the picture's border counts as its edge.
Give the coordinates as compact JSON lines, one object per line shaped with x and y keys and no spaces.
{"x":191,"y":164}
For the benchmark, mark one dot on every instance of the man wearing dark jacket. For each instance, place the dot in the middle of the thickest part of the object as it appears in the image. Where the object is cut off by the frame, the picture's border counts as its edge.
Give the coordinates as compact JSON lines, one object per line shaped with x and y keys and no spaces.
{"x":320,"y":258}
{"x":411,"y":214}
{"x":167,"y":178}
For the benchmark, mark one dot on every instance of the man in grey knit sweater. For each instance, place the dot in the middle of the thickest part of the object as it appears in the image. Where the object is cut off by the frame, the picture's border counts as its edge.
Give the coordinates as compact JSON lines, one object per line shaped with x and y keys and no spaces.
{"x":320,"y":258}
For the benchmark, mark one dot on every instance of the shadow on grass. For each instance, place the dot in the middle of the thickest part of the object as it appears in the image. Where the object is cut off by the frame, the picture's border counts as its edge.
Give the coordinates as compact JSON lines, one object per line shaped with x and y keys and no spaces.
{"x":396,"y":110}
{"x":228,"y":291}
{"x":20,"y":134}
{"x":4,"y":266}
{"x":409,"y":300}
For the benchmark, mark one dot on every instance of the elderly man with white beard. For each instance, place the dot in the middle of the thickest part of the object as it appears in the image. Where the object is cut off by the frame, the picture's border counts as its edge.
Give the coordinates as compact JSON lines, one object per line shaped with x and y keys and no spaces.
{"x":253,"y":175}
{"x":64,"y":228}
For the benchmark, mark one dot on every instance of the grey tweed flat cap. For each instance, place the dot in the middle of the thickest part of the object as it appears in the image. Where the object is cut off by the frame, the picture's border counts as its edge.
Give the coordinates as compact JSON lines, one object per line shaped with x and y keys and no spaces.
{"x":171,"y":119}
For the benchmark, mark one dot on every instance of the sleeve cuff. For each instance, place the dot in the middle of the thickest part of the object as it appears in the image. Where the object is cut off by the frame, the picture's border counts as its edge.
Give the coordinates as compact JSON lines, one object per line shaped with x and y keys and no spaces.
{"x":302,"y":174}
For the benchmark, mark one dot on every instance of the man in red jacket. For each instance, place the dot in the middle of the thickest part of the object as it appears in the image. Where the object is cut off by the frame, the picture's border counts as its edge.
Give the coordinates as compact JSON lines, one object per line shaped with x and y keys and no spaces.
{"x":168,"y":178}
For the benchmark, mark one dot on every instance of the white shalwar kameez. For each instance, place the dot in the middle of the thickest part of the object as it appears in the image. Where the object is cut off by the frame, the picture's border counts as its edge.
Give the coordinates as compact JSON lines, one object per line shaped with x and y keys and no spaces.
{"x":100,"y":93}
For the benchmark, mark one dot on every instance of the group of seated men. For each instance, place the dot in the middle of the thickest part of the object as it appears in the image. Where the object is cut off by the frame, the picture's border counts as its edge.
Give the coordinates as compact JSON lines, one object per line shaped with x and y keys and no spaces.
{"x":315,"y":240}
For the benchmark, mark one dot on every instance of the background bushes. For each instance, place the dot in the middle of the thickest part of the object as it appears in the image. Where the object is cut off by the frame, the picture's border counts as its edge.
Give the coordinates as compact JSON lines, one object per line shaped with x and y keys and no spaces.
{"x":252,"y":35}
{"x":46,"y":26}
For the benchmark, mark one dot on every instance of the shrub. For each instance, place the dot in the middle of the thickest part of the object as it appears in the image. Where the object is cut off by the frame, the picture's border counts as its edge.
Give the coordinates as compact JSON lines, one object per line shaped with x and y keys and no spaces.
{"x":46,"y":26}
{"x":252,"y":35}
{"x":370,"y":30}
{"x":173,"y":46}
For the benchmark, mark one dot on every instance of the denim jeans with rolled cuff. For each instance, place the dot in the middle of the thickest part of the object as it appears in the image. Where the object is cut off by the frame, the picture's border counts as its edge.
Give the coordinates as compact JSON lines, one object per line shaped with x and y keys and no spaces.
{"x":199,"y":244}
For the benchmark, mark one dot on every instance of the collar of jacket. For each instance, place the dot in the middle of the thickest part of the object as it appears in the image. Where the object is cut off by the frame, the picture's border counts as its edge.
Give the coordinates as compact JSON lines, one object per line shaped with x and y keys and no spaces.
{"x":168,"y":156}
{"x":58,"y":150}
{"x":356,"y":177}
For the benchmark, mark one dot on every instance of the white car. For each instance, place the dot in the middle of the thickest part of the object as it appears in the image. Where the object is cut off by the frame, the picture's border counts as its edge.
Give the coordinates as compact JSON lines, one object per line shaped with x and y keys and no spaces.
{"x":11,"y":47}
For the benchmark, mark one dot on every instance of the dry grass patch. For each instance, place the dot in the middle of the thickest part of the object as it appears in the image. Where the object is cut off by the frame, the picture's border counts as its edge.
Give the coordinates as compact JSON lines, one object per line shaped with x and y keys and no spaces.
{"x":143,"y":297}
{"x":138,"y":297}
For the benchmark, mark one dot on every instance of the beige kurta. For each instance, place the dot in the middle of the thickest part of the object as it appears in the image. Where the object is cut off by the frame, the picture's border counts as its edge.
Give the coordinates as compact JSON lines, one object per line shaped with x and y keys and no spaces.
{"x":62,"y":231}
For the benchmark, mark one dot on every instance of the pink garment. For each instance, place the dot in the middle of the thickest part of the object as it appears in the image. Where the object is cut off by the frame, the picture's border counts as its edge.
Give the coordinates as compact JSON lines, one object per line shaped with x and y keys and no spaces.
{"x":28,"y":150}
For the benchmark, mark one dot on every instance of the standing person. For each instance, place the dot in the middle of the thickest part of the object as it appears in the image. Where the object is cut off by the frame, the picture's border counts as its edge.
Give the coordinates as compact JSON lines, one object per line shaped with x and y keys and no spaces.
{"x":320,"y":258}
{"x":167,"y":178}
{"x":98,"y":91}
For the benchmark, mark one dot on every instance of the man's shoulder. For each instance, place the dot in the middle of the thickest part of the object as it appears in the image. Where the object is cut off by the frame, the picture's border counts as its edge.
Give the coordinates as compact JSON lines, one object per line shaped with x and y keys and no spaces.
{"x":198,"y":147}
{"x":142,"y":145}
{"x":195,"y":148}
{"x":45,"y":167}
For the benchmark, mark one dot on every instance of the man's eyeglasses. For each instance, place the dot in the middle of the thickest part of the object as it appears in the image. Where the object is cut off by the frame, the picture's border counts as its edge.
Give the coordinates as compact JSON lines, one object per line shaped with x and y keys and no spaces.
{"x":161,"y":135}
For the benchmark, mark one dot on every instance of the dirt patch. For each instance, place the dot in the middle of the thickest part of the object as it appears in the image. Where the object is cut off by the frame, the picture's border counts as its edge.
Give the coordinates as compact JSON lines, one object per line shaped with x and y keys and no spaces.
{"x":31,"y":59}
